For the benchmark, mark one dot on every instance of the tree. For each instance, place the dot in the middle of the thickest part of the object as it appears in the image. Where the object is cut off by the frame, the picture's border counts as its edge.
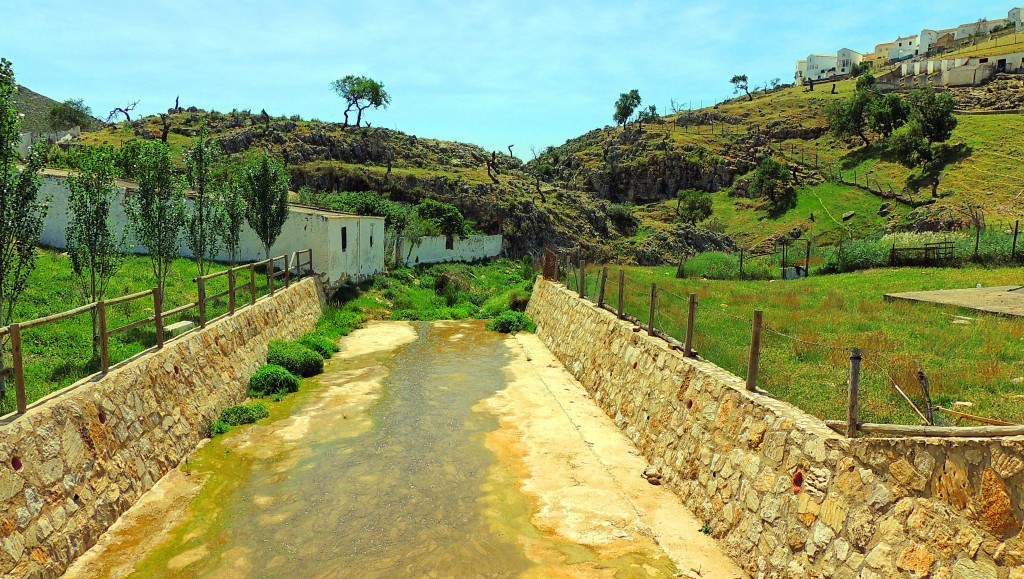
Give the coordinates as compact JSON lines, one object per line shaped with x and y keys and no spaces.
{"x":156,"y":210}
{"x":447,"y":218}
{"x":205,"y":219}
{"x":122,"y":111}
{"x":693,"y":206}
{"x":849,"y":117}
{"x":21,"y":211}
{"x":264,"y":185}
{"x":360,"y":93}
{"x":887,"y":114}
{"x":70,"y":113}
{"x":934,"y":110}
{"x":646,"y":115}
{"x":741,"y":83}
{"x":232,"y":202}
{"x":931,"y":123}
{"x":772,"y":180}
{"x":96,"y":250}
{"x":775,"y":83}
{"x":624,"y":107}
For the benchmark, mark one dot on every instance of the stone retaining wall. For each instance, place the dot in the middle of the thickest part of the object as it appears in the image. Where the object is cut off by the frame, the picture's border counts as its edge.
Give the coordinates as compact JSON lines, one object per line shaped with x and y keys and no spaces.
{"x":787,"y":496}
{"x":80,"y":458}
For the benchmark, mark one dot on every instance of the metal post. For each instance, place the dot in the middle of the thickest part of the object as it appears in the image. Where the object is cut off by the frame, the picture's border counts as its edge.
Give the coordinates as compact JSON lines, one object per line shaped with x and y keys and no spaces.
{"x":101,"y":315}
{"x":202,"y":301}
{"x":158,"y":316}
{"x":600,"y":294}
{"x":622,"y":291}
{"x":755,"y":352}
{"x":690,"y":320}
{"x":654,"y":303}
{"x":582,"y":283}
{"x":231,"y":291}
{"x":18,"y":365}
{"x":851,"y":411}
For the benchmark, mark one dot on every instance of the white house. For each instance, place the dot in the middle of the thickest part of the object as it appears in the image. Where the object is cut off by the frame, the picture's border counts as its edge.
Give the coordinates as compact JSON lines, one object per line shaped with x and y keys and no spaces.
{"x":345,"y":246}
{"x":801,"y":72}
{"x":904,"y":48}
{"x":821,"y":66}
{"x":929,"y":36}
{"x":1016,"y":16}
{"x":980,"y":27}
{"x":846,"y":60}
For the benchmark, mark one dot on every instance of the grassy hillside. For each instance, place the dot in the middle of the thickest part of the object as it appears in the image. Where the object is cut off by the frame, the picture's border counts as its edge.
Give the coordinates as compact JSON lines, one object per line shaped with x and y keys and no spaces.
{"x":36,"y":109}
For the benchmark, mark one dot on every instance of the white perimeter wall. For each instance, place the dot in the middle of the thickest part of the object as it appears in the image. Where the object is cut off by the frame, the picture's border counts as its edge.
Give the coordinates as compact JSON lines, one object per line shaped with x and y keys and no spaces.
{"x":433,"y":249}
{"x":361,"y":256}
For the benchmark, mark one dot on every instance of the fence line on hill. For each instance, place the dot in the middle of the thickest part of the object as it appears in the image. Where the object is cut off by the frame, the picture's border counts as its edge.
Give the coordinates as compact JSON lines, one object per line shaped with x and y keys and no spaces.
{"x":860,"y":377}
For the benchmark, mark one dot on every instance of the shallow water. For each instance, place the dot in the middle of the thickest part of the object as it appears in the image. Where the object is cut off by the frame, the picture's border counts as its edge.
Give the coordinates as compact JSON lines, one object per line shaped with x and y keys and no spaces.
{"x":380,"y":470}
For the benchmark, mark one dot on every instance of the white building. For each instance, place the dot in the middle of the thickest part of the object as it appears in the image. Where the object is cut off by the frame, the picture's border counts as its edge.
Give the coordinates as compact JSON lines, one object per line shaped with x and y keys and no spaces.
{"x":929,"y":36}
{"x":1016,"y":16}
{"x":821,"y":66}
{"x":846,"y":60}
{"x":346,"y":247}
{"x":801,"y":72}
{"x":441,"y":249}
{"x":980,"y":27}
{"x":904,"y":48}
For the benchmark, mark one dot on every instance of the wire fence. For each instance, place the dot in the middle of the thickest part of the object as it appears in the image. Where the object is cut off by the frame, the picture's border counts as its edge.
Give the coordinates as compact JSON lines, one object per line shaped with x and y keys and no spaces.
{"x":869,"y":387}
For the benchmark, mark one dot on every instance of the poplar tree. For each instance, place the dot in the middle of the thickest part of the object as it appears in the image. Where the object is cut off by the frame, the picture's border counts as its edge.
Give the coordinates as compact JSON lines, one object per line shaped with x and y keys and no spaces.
{"x":21,"y":211}
{"x":205,"y":218}
{"x":264,"y":185}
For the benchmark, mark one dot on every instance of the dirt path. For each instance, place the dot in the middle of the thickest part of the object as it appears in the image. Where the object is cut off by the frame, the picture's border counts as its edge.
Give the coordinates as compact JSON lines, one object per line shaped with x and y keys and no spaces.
{"x":585,"y":475}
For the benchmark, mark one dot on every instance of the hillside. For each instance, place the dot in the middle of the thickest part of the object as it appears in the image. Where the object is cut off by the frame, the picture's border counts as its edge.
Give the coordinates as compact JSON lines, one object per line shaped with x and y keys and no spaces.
{"x":611,"y":192}
{"x":36,"y":109}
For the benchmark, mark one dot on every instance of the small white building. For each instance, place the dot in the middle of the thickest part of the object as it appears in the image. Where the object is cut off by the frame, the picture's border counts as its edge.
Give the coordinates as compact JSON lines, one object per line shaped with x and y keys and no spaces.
{"x":904,"y":48}
{"x":801,"y":72}
{"x":821,"y":66}
{"x":980,"y":27}
{"x":442,"y":248}
{"x":346,"y":247}
{"x":847,"y":60}
{"x":1016,"y":16}
{"x":929,"y":37}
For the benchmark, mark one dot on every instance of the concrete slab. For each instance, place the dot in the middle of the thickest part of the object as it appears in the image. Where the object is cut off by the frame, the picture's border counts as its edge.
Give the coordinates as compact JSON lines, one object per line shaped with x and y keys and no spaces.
{"x":1002,"y":300}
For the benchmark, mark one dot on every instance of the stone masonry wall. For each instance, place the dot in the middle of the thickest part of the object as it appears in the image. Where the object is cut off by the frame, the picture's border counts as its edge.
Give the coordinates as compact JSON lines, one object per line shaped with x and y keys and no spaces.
{"x":73,"y":463}
{"x":787,"y":496}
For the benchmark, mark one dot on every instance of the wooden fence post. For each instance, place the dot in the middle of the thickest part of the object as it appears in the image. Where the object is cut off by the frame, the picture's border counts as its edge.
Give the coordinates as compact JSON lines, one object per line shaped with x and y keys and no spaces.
{"x":922,"y":379}
{"x":582,"y":282}
{"x":851,"y":411}
{"x":600,"y":294}
{"x":654,"y":303}
{"x":158,"y":316}
{"x":252,"y":283}
{"x":287,"y":270}
{"x":101,"y":315}
{"x":202,"y":301}
{"x":755,"y":352}
{"x":690,"y":320}
{"x":231,"y":291}
{"x":270,"y":275}
{"x":622,"y":291}
{"x":18,"y":365}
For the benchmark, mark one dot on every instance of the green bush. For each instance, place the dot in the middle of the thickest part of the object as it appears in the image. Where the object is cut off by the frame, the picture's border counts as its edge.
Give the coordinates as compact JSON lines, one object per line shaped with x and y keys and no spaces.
{"x":510,"y":322}
{"x":319,"y":344}
{"x":295,"y":358}
{"x":219,"y":427}
{"x":243,"y":413}
{"x":272,"y":379}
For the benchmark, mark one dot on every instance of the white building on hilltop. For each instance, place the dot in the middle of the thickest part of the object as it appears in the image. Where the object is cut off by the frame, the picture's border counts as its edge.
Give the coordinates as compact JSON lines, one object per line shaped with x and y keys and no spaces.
{"x":801,"y":72}
{"x":821,"y":66}
{"x":847,"y":60}
{"x":1016,"y":16}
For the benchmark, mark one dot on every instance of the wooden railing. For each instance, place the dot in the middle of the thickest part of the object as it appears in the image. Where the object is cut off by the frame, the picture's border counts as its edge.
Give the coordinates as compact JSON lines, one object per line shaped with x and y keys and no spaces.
{"x":294,"y":266}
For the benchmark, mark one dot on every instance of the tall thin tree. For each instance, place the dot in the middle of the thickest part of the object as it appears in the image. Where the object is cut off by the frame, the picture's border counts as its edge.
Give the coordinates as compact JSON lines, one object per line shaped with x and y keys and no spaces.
{"x":97,"y":251}
{"x":21,"y":210}
{"x":204,"y":221}
{"x":156,"y":210}
{"x":264,"y":184}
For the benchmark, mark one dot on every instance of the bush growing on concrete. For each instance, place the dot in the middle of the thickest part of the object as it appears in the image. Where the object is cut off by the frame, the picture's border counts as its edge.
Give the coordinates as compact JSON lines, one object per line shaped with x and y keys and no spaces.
{"x":243,"y":413}
{"x":510,"y":322}
{"x":295,"y":358}
{"x":219,"y":427}
{"x":319,"y":344}
{"x":272,"y":379}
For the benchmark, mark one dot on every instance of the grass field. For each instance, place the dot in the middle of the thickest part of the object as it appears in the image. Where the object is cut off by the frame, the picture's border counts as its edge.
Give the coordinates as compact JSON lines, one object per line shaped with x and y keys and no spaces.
{"x":59,"y":354}
{"x":968,"y":356}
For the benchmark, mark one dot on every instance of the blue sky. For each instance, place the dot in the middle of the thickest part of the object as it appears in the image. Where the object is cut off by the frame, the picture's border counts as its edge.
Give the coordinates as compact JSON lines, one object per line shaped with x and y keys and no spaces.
{"x":529,"y":73}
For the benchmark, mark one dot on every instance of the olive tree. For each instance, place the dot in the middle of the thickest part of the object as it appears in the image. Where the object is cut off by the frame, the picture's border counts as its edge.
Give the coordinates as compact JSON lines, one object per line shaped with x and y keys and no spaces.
{"x":693,"y":206}
{"x":71,"y":113}
{"x":21,"y":211}
{"x":625,"y":106}
{"x":264,"y":185}
{"x":740,"y":82}
{"x":97,"y":251}
{"x":360,"y":93}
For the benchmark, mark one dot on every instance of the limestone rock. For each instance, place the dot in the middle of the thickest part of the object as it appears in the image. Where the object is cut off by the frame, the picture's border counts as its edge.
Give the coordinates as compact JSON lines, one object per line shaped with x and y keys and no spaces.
{"x":917,"y":559}
{"x":995,"y":507}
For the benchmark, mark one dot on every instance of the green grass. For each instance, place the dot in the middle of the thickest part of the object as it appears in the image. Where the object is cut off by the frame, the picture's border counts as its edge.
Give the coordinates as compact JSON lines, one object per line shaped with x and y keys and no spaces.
{"x":57,"y":355}
{"x":972,"y":359}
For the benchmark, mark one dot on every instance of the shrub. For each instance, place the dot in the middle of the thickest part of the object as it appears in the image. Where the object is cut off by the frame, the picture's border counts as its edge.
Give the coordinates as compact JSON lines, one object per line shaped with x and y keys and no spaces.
{"x":295,"y":358}
{"x":518,"y":299}
{"x":219,"y":427}
{"x":319,"y":344}
{"x":510,"y":322}
{"x":243,"y":414}
{"x":272,"y":379}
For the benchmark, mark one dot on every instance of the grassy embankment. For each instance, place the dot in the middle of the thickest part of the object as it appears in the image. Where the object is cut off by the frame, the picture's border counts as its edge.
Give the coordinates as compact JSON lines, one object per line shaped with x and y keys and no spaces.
{"x":968,"y":356}
{"x":59,"y":354}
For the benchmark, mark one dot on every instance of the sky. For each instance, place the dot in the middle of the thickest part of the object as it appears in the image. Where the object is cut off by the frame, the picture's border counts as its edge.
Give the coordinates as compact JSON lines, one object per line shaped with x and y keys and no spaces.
{"x":495,"y":73}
